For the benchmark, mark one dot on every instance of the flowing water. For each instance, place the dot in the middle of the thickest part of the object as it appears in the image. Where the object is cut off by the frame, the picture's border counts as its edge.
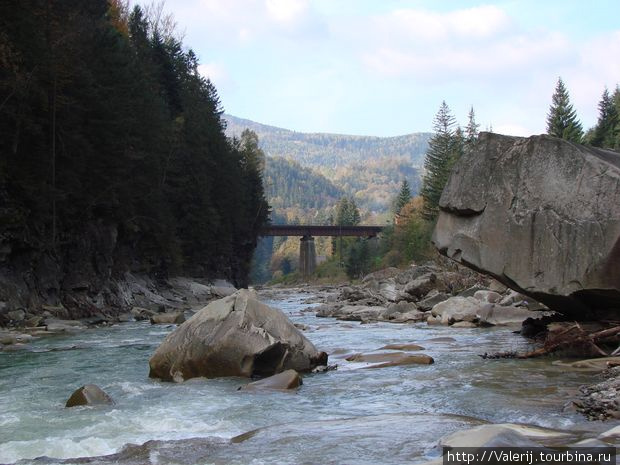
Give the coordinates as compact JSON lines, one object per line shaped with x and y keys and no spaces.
{"x":349,"y":415}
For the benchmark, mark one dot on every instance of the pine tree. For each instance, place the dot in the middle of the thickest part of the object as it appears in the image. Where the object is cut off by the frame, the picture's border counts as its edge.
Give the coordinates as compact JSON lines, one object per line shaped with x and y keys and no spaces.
{"x":616,"y":99}
{"x":471,"y":130}
{"x":403,"y":197}
{"x":562,"y":120}
{"x":606,"y":129}
{"x":440,"y":157}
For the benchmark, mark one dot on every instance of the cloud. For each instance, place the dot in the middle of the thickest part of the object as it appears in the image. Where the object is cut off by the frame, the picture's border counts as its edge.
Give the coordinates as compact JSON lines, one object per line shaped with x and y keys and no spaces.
{"x":287,"y":11}
{"x":594,"y":70}
{"x":471,"y":43}
{"x":413,"y":25}
{"x":218,"y":74}
{"x":239,"y":22}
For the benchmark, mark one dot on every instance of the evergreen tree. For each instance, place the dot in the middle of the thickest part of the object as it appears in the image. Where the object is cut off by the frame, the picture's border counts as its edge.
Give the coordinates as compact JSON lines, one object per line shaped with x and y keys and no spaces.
{"x":562,"y":120}
{"x":347,"y":214}
{"x":443,"y":151}
{"x":606,"y":130}
{"x":403,"y":197}
{"x":358,"y":259}
{"x":616,"y":98}
{"x":471,"y":130}
{"x":106,"y":120}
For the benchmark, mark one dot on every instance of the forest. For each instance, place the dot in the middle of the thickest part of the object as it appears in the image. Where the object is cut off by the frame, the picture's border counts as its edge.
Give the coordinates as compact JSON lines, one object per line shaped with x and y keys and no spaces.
{"x":337,"y":157}
{"x":106,"y":122}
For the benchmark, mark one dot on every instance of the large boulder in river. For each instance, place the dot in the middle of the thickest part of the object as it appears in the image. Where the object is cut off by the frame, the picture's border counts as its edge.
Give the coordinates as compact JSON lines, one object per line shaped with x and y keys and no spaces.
{"x":234,"y":336}
{"x":539,"y":214}
{"x":89,"y":394}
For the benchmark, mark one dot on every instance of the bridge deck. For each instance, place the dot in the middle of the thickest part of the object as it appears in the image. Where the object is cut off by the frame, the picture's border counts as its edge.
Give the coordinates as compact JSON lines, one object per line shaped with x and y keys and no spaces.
{"x":318,"y":230}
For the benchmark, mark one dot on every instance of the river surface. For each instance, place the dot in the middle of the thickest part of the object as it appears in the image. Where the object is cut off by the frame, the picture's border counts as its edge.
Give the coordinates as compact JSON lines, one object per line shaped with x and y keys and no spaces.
{"x":351,"y":415}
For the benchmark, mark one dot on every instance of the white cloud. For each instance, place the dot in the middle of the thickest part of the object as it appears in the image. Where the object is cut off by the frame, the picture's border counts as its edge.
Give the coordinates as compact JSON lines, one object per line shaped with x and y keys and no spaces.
{"x":244,"y":21}
{"x":218,"y":74}
{"x":470,"y":43}
{"x":287,"y":11}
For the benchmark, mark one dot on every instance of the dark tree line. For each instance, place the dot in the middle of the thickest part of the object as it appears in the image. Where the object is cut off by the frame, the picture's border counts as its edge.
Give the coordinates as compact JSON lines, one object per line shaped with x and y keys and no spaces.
{"x":446,"y":146}
{"x":562,"y":119}
{"x":104,"y":118}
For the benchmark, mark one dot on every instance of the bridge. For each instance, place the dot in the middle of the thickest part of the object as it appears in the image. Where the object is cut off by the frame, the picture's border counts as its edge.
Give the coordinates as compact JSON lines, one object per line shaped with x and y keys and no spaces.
{"x":307,"y":251}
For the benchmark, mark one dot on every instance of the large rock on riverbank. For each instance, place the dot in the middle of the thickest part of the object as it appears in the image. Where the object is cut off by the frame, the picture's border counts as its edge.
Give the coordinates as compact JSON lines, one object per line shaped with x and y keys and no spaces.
{"x":542,"y":216}
{"x":234,"y":336}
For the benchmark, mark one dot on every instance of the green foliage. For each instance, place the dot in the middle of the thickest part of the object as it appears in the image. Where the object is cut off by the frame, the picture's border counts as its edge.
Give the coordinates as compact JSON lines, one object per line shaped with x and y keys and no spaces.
{"x":386,"y":160}
{"x":105,"y":120}
{"x":444,"y":148}
{"x":471,"y":130}
{"x":359,"y":258}
{"x":409,"y":240}
{"x":347,"y":213}
{"x":288,"y":184}
{"x":562,"y":120}
{"x":607,"y":129}
{"x":403,"y":197}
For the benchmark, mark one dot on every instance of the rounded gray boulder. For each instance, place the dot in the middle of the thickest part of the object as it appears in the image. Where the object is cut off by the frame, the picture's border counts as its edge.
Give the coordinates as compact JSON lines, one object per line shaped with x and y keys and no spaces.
{"x":234,"y":336}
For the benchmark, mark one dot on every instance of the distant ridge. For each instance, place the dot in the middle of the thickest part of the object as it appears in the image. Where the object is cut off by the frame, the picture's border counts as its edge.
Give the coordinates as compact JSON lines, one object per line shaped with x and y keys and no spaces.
{"x":326,"y":149}
{"x":369,"y":168}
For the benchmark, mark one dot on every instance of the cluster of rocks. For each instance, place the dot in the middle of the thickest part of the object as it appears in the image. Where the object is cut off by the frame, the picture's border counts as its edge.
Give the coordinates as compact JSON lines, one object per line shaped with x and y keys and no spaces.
{"x":601,"y":401}
{"x":511,"y":435}
{"x":428,"y":293}
{"x":138,"y":297}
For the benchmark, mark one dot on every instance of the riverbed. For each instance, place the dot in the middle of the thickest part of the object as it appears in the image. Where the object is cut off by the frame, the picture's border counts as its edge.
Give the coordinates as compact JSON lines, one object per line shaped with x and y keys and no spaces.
{"x":350,"y":415}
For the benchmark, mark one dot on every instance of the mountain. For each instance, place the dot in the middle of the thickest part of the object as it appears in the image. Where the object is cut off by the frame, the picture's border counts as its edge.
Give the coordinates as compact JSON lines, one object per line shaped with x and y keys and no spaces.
{"x":288,"y":184}
{"x":368,"y":168}
{"x":331,"y":150}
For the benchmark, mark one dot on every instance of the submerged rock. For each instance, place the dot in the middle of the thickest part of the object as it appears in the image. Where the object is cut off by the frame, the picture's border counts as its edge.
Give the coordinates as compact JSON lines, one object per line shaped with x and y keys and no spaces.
{"x":89,"y":394}
{"x":391,"y":359}
{"x":409,"y":347}
{"x":286,"y":380}
{"x":167,"y":318}
{"x":542,"y":216}
{"x":234,"y":336}
{"x":63,"y":326}
{"x":501,"y":435}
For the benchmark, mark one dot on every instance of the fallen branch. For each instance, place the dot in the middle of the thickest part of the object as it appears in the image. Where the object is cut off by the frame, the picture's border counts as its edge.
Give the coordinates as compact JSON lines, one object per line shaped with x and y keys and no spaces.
{"x":549,"y":347}
{"x":592,"y":338}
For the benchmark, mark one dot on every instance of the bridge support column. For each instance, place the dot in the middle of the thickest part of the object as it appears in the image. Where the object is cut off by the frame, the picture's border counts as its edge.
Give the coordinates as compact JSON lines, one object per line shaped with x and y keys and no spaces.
{"x":307,"y":256}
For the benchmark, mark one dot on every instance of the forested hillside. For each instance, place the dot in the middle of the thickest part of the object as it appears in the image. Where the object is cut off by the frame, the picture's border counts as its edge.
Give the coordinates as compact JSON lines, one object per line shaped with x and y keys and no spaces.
{"x":368,"y":168}
{"x":288,"y":185}
{"x":113,"y":155}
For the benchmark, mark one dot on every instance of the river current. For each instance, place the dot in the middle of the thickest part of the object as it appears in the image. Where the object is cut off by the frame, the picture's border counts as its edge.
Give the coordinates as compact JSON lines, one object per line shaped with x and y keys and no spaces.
{"x":351,"y":415}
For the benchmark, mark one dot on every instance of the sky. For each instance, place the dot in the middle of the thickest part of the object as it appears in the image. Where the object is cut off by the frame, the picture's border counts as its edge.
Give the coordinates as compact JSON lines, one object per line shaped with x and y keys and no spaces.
{"x":383,"y":67}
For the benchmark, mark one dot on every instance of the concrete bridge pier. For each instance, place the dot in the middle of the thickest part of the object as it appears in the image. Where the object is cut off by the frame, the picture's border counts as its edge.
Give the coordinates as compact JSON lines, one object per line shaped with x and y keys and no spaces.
{"x":307,"y":256}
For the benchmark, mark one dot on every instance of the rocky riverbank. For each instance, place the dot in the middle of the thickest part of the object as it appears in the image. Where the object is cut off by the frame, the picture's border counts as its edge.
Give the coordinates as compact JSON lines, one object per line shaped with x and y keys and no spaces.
{"x":454,"y":296}
{"x":143,"y":299}
{"x":429,"y":293}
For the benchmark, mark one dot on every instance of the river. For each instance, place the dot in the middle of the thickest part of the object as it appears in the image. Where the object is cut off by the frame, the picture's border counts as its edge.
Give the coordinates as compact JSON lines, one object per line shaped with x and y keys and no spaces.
{"x":350,"y":415}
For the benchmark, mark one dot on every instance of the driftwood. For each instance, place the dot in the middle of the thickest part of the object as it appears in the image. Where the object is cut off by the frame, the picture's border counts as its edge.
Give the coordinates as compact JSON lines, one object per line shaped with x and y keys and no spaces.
{"x":562,"y":340}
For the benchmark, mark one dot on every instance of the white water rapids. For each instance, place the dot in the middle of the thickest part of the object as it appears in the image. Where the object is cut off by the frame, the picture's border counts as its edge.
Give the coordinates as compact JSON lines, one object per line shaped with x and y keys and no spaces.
{"x":349,"y":415}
